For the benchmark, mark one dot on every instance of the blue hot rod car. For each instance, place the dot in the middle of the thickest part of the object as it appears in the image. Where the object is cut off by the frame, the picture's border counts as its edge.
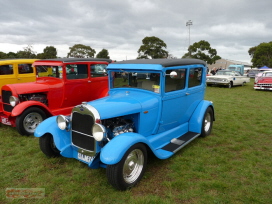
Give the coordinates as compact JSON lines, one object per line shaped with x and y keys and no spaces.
{"x":153,"y":104}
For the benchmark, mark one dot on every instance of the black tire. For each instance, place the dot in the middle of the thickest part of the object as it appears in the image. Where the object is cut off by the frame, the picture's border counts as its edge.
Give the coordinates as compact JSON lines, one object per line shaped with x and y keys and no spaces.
{"x":123,"y":178}
{"x":48,"y":146}
{"x":27,"y":122}
{"x":207,"y":122}
{"x":230,"y":85}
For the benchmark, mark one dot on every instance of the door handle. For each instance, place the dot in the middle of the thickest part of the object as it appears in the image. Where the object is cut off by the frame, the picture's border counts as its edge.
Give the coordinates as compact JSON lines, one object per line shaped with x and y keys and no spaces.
{"x":187,"y":94}
{"x":89,"y":81}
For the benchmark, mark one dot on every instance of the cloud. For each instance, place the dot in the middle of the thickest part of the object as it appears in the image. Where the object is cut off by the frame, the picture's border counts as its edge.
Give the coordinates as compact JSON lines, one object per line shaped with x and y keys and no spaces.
{"x":231,"y":27}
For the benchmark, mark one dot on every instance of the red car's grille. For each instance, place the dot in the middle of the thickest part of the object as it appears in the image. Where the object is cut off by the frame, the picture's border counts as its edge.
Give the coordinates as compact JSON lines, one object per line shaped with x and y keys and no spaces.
{"x":264,"y":85}
{"x":5,"y":98}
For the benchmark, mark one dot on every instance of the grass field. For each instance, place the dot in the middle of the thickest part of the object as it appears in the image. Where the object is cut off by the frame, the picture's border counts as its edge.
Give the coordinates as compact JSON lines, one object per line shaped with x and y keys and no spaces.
{"x":232,"y":165}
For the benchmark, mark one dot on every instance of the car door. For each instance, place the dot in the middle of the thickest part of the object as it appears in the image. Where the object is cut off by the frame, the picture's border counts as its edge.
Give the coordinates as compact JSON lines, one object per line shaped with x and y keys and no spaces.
{"x":25,"y":71}
{"x":76,"y":84}
{"x":182,"y":95}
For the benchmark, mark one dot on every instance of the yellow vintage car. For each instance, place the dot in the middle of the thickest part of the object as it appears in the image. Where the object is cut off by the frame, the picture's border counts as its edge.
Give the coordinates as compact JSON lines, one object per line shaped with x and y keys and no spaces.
{"x":17,"y":71}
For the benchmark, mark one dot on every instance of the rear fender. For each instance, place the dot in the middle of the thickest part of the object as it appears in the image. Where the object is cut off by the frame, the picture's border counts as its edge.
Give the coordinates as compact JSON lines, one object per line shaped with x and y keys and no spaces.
{"x":19,"y":109}
{"x":114,"y":151}
{"x":195,"y":123}
{"x":62,"y":138}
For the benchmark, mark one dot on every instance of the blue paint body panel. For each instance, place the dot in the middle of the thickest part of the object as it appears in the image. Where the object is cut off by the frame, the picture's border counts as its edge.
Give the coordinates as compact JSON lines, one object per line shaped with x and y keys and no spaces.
{"x":157,"y":118}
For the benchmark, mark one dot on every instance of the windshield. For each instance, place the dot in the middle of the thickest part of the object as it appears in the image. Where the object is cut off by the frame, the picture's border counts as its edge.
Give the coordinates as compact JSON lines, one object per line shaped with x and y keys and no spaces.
{"x":141,"y":80}
{"x":268,"y":74}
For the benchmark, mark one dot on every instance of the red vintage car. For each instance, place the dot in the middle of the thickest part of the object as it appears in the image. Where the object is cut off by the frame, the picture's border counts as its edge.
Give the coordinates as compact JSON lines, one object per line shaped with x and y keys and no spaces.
{"x":263,"y":81}
{"x":70,"y":81}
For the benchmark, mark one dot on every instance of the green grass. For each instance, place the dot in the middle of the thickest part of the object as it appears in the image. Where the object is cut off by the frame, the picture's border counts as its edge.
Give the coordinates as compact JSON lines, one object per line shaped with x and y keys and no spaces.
{"x":232,"y":165}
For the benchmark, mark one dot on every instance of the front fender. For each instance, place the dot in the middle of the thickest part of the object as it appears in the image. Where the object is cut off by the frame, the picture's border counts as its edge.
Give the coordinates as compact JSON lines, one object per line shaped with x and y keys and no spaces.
{"x":114,"y":151}
{"x":19,"y":109}
{"x":195,"y":123}
{"x":61,"y":138}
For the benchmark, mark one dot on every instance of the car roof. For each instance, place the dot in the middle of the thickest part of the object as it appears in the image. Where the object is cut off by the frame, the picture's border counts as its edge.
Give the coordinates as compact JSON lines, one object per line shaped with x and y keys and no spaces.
{"x":75,"y":60}
{"x":154,"y":64}
{"x":17,"y":60}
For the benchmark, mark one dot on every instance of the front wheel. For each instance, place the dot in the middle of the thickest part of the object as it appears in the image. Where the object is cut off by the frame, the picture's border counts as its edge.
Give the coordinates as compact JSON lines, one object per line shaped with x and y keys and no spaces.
{"x":129,"y":171}
{"x":230,"y":85}
{"x":48,"y":147}
{"x":27,"y":122}
{"x":207,"y":123}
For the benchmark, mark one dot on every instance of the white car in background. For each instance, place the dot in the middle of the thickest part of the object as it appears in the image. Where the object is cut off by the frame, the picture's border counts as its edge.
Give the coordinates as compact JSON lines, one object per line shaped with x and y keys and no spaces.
{"x":227,"y":78}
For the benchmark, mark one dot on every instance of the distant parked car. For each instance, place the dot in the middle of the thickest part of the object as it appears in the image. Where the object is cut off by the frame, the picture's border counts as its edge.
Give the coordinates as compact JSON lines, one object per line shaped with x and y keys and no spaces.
{"x":264,"y":81}
{"x":67,"y":82}
{"x":14,"y":71}
{"x":227,"y":78}
{"x":252,"y":73}
{"x":261,"y":72}
{"x":158,"y":106}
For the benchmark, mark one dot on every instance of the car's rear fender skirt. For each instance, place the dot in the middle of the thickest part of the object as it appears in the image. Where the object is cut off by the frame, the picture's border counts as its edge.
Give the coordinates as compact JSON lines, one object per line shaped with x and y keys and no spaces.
{"x":195,"y":122}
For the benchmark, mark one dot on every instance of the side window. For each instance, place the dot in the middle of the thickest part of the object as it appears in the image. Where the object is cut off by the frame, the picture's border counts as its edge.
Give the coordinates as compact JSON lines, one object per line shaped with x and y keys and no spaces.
{"x":98,"y":70}
{"x":6,"y":69}
{"x":77,"y":71}
{"x":195,"y":77}
{"x":25,"y":68}
{"x":175,"y":82}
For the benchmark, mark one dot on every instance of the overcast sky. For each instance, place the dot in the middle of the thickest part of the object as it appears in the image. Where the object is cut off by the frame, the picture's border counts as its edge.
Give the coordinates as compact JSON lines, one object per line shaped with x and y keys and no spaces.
{"x":231,"y":27}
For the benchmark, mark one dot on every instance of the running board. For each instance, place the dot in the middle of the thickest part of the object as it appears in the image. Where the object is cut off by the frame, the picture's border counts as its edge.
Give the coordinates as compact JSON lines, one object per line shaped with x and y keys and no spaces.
{"x":178,"y":143}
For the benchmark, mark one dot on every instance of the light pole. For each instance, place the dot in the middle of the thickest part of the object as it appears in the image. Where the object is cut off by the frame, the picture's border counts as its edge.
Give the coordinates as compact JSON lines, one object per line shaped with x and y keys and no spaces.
{"x":189,"y":23}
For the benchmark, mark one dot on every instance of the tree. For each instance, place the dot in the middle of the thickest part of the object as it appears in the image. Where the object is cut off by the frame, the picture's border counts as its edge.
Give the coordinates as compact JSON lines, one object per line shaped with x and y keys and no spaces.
{"x":202,"y":50}
{"x":50,"y":52}
{"x":81,"y":51}
{"x":11,"y":55}
{"x":153,"y":48}
{"x":26,"y":53}
{"x":3,"y":55}
{"x":261,"y":55}
{"x":103,"y":54}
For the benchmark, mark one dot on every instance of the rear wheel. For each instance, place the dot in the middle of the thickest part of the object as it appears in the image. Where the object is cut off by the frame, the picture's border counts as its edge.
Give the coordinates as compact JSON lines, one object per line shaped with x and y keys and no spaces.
{"x":48,"y":147}
{"x":207,"y":122}
{"x":27,"y":122}
{"x":129,"y":171}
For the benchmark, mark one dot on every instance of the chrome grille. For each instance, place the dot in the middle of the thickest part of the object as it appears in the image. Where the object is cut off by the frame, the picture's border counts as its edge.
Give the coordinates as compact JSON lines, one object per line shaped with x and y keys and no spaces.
{"x":82,"y":131}
{"x":5,"y":97}
{"x":264,"y":85}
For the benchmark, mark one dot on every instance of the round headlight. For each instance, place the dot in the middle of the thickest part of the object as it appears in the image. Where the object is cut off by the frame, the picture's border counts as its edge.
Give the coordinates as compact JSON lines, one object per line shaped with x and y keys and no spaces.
{"x":62,"y":122}
{"x":99,"y":132}
{"x":13,"y":101}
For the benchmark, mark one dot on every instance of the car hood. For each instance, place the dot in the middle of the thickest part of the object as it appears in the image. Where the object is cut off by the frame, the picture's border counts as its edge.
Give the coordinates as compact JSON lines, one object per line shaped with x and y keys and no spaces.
{"x":120,"y":103}
{"x":265,"y":80}
{"x":42,"y":84}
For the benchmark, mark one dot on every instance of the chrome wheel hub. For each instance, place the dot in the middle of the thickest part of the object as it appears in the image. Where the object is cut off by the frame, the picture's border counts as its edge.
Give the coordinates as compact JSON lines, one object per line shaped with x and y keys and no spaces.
{"x":133,"y":166}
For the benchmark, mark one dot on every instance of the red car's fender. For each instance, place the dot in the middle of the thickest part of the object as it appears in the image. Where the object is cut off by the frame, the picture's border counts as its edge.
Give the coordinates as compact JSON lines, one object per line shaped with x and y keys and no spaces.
{"x":19,"y":109}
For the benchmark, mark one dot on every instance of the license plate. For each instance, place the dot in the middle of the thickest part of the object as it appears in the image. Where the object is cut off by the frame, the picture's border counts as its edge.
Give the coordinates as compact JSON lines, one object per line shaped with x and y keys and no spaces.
{"x":5,"y":121}
{"x":84,"y":157}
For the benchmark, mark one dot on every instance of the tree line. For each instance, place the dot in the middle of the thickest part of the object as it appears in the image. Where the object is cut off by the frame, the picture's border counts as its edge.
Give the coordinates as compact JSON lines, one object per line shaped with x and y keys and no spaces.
{"x":151,"y":48}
